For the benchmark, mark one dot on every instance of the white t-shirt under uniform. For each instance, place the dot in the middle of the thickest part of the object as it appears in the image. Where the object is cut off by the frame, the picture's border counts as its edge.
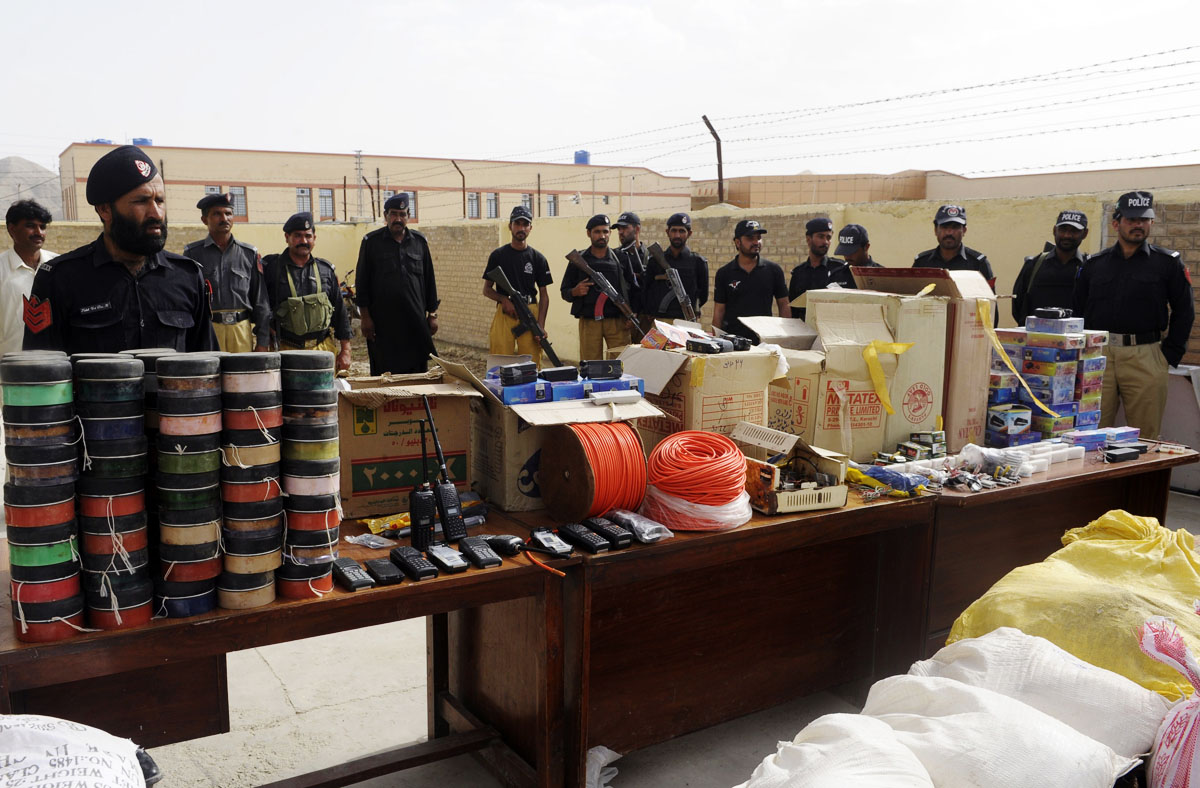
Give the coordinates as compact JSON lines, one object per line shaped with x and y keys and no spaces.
{"x":16,"y":281}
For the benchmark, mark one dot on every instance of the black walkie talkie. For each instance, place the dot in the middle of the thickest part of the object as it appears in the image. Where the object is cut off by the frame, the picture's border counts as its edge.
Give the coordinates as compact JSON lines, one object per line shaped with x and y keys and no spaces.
{"x":445,"y":493}
{"x":422,"y":506}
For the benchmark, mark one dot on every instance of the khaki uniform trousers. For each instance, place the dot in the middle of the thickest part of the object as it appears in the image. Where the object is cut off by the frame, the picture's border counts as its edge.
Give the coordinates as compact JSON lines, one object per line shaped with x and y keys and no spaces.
{"x":235,"y":338}
{"x":595,"y":335}
{"x":1137,"y":377}
{"x":501,"y":341}
{"x":329,"y":343}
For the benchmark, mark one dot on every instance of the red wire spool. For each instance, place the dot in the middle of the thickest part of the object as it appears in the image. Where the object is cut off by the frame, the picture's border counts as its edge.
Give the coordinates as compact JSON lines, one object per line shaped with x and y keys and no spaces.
{"x":704,"y":469}
{"x":589,"y":469}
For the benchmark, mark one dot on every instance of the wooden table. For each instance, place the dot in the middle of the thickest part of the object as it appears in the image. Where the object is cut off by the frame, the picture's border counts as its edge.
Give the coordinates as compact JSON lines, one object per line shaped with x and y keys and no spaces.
{"x":166,"y":682}
{"x":980,"y":537}
{"x":676,"y":636}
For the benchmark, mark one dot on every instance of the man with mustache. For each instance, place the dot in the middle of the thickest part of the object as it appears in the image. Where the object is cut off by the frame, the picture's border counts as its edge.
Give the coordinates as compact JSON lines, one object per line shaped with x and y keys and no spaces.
{"x":304,"y":294}
{"x":233,"y":271}
{"x":748,"y":284}
{"x":817,"y":270}
{"x":26,"y":221}
{"x":658,"y":298}
{"x":1048,"y":279}
{"x":122,"y":290}
{"x":527,"y":271}
{"x":397,"y":293}
{"x":949,"y":227}
{"x":601,"y":324}
{"x":1136,"y":291}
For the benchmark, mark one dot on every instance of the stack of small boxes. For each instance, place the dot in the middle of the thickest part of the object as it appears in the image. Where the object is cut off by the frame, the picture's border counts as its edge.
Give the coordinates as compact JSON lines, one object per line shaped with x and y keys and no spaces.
{"x":1008,"y":421}
{"x":1089,"y":379}
{"x":930,"y":445}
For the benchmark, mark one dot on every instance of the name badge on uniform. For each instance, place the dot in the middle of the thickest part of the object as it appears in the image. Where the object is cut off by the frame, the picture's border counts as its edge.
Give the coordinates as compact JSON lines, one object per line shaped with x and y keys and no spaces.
{"x":91,"y":308}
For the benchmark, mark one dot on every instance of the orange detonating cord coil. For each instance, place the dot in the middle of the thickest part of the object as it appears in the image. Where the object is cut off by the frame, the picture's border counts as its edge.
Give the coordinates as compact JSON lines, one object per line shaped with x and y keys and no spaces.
{"x":699,"y":467}
{"x":615,"y":454}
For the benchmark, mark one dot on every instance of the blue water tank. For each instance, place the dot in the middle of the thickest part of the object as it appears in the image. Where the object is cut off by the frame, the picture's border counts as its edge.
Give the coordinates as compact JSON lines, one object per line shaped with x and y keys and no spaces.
{"x":583,"y":157}
{"x":143,"y":142}
{"x":99,"y":141}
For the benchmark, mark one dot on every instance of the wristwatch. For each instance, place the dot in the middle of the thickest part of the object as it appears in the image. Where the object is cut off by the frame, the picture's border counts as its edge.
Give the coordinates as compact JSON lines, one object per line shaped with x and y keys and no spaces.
{"x":431,"y":314}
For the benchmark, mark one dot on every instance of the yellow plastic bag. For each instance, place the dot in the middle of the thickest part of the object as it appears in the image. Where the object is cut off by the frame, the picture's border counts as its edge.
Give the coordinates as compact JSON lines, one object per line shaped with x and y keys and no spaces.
{"x":1090,"y":597}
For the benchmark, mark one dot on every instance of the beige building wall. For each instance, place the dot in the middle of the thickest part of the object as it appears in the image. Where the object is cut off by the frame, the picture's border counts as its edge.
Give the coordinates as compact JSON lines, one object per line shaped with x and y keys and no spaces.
{"x":948,"y":187}
{"x":761,"y":191}
{"x":271,"y":178}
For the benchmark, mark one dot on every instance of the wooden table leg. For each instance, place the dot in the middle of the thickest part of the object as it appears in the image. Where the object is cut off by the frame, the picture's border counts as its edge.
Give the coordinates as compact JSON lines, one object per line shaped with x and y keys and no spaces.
{"x":437,"y":672}
{"x":550,"y":709}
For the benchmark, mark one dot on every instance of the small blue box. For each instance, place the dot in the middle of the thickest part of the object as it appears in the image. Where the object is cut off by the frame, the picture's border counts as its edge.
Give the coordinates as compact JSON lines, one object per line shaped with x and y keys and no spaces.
{"x":537,"y":391}
{"x":1096,"y":364}
{"x":1001,"y":440}
{"x":1002,"y":396}
{"x":565,"y":389}
{"x":1052,"y":354}
{"x":1062,"y":408}
{"x":1089,"y":418}
{"x":1047,"y":325}
{"x":1048,"y":396}
{"x":626,"y":382}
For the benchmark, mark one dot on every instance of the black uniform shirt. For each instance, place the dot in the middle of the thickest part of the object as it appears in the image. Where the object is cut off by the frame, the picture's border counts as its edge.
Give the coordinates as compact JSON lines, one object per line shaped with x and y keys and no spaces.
{"x":807,"y":277}
{"x":276,"y":266}
{"x":1054,"y":284}
{"x":747,"y":294}
{"x":659,"y":298}
{"x":967,"y":259}
{"x":235,"y":280}
{"x":1131,"y":295}
{"x":85,"y":301}
{"x":527,"y":269}
{"x":608,"y":267}
{"x":635,"y":259}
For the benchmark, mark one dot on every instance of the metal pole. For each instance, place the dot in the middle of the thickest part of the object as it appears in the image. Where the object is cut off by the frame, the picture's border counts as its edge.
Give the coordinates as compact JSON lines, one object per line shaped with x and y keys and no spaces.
{"x":378,"y":191}
{"x":372,"y":197}
{"x":720,"y":165}
{"x":539,"y":196}
{"x":345,"y":215}
{"x":464,"y":186}
{"x":358,"y":171}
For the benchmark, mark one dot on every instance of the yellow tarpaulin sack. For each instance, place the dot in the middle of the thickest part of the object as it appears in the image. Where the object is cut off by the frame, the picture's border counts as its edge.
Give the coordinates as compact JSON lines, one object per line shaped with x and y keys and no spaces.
{"x":1090,"y":597}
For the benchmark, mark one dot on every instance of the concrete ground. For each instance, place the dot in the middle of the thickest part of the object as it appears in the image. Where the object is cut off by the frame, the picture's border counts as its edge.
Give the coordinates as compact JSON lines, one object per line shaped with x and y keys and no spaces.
{"x":288,"y":715}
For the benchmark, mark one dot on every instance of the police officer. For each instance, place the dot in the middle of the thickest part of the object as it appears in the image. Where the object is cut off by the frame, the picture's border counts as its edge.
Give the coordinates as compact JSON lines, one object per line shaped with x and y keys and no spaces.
{"x":121,"y":291}
{"x":601,"y":323}
{"x":854,"y":246}
{"x":1135,"y":291}
{"x":233,"y":272}
{"x":658,"y":296}
{"x":633,"y":256}
{"x":304,"y":295}
{"x":819,"y":270}
{"x":747,"y":284}
{"x":397,"y":293}
{"x":949,"y":227}
{"x":1048,"y":279}
{"x":528,"y":272}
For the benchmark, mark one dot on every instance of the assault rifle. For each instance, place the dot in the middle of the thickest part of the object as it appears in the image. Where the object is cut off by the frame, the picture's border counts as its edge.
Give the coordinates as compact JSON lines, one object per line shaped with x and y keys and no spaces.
{"x":621,"y":303}
{"x":524,"y":314}
{"x":685,"y":301}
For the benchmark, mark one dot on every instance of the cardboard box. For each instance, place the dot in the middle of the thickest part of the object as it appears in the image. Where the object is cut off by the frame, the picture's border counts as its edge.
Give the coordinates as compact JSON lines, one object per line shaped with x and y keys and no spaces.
{"x":506,"y":440}
{"x":763,"y":478}
{"x":1002,"y":440}
{"x":968,"y":345}
{"x":1065,"y":325}
{"x":1009,"y":419}
{"x":698,"y":391}
{"x":1050,"y":354}
{"x":918,"y":382}
{"x":1060,"y":341}
{"x":379,"y":427}
{"x":790,"y":397}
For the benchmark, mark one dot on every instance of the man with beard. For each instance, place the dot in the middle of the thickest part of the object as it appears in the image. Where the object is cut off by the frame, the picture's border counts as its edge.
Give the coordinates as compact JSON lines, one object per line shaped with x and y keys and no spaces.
{"x":305,"y":296}
{"x":633,"y":256}
{"x":1136,"y":291}
{"x":122,"y":290}
{"x":658,"y":296}
{"x":528,"y":272}
{"x":26,"y":221}
{"x":747,"y":284}
{"x":233,"y":272}
{"x":600,"y":322}
{"x":819,"y":270}
{"x":949,"y":227}
{"x":397,"y":294}
{"x":854,"y":246}
{"x":1048,"y":279}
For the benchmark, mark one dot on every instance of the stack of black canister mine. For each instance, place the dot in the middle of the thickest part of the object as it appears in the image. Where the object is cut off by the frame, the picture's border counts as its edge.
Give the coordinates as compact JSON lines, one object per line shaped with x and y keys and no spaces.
{"x":39,"y":499}
{"x":250,"y":491}
{"x":188,"y":483}
{"x":310,"y":473}
{"x":111,"y":491}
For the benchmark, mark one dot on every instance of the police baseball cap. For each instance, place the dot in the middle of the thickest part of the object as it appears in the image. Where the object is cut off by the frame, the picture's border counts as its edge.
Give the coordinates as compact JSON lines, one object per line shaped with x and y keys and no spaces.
{"x":1075,"y":219}
{"x":1135,"y":205}
{"x":597,"y":220}
{"x":520,"y":212}
{"x":298,"y":221}
{"x":851,"y":238}
{"x":119,"y":172}
{"x":627,"y":219}
{"x":213,"y":200}
{"x":397,"y":202}
{"x":951,"y":213}
{"x":679,"y":220}
{"x":822,"y":224}
{"x":748,"y":227}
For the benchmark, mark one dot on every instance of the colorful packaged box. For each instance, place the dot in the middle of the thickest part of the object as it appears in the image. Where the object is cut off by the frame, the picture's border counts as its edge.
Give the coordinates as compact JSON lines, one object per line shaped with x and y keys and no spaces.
{"x":913,"y":451}
{"x":1011,"y":336}
{"x":1063,"y":408}
{"x":1090,"y":418}
{"x":1096,"y":364}
{"x":1090,"y":440}
{"x":1002,"y":396}
{"x":566,"y":389}
{"x":1002,"y":380}
{"x":1052,"y":369}
{"x":1053,"y":425}
{"x":1065,"y":325}
{"x":537,"y":391}
{"x":1050,"y":354}
{"x":626,"y":382}
{"x":929,"y":438}
{"x":1008,"y":419}
{"x":1089,"y":405}
{"x":1061,"y":341}
{"x":1048,"y":381}
{"x":1051,"y":396}
{"x":1096,"y":338}
{"x":1002,"y":440}
{"x":1090,"y":391}
{"x":1091,"y":352}
{"x":1087,"y":378}
{"x":1123,"y":434}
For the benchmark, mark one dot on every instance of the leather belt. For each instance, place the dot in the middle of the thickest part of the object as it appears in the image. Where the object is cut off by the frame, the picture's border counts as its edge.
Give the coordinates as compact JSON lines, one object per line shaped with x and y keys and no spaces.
{"x":1147,"y":338}
{"x":231,"y":318}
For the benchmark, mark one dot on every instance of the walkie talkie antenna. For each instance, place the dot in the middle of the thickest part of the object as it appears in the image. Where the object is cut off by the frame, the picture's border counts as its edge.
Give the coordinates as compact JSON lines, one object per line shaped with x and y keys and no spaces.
{"x":437,"y":444}
{"x":424,"y":454}
{"x":449,"y":506}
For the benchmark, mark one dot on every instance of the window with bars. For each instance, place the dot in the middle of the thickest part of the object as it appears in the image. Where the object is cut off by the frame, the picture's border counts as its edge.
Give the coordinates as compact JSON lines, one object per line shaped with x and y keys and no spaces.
{"x":303,"y":199}
{"x":527,"y":201}
{"x":325,"y":204}
{"x":493,"y":205}
{"x":412,"y":205}
{"x":552,"y":205}
{"x":212,"y":189}
{"x":237,"y":195}
{"x":472,"y":205}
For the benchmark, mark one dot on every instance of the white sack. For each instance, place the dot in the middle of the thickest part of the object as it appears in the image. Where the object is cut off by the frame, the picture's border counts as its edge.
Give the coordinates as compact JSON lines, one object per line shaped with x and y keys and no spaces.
{"x":51,"y":753}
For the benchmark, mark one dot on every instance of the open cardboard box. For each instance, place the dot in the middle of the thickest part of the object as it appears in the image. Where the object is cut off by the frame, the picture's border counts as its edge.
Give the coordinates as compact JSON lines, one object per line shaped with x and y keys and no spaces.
{"x":763,"y":478}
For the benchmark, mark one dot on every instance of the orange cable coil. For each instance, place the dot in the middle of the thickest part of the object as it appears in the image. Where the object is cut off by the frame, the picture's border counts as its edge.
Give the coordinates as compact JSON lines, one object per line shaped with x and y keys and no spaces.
{"x":697,"y":482}
{"x":615,"y":455}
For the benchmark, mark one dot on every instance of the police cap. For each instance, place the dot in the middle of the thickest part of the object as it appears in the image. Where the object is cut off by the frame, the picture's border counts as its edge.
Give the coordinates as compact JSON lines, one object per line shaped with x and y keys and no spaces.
{"x":627,"y":219}
{"x":213,"y":200}
{"x":520,"y":212}
{"x":951,"y":213}
{"x":1135,"y":205}
{"x":748,"y":227}
{"x":679,"y":220}
{"x":397,"y":202}
{"x":822,"y":224}
{"x":1075,"y":219}
{"x":119,"y":172}
{"x":598,"y":220}
{"x":851,"y":238}
{"x":298,"y":221}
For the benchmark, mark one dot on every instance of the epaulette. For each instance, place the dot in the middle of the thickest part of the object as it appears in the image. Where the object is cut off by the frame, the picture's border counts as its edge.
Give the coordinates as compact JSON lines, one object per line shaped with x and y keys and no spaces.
{"x":178,"y":258}
{"x":1169,"y":252}
{"x":978,"y":254}
{"x":375,"y":233}
{"x":74,"y":254}
{"x":251,"y":247}
{"x":418,"y":234}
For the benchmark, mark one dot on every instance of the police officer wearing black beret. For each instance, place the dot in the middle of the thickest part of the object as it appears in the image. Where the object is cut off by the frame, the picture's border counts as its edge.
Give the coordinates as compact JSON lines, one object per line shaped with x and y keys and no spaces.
{"x":1048,"y":279}
{"x":233,"y":271}
{"x":601,"y":324}
{"x":949,"y":227}
{"x":819,"y":270}
{"x":121,"y":291}
{"x":1136,"y":291}
{"x":305,"y":296}
{"x":397,"y":293}
{"x":659,"y":297}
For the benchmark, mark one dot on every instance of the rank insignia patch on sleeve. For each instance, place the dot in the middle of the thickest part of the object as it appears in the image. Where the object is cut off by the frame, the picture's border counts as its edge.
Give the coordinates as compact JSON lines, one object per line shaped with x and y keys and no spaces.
{"x":37,"y":314}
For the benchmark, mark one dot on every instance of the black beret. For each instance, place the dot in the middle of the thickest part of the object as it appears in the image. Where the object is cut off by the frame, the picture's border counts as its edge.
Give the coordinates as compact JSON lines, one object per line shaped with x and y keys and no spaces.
{"x":597,"y":220}
{"x":298,"y":221}
{"x":822,"y":224}
{"x":210,"y":200}
{"x":397,"y":202}
{"x":679,"y":220}
{"x":117,"y":173}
